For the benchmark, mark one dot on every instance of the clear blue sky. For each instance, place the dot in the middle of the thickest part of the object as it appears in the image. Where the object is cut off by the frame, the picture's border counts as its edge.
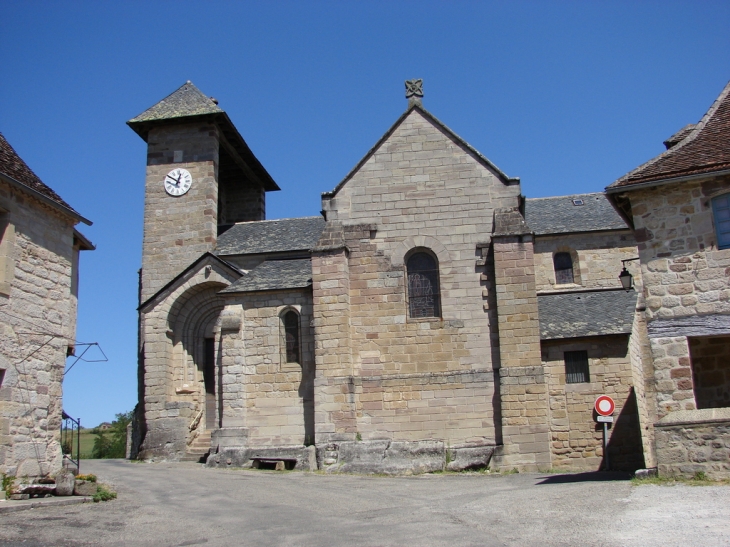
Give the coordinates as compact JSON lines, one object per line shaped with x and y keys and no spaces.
{"x":566,"y":95}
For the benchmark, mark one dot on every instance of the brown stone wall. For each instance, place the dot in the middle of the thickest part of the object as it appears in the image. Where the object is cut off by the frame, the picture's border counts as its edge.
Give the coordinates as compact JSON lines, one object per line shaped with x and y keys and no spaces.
{"x":683,"y":270}
{"x":699,"y":445}
{"x":173,"y":327}
{"x":240,"y":202}
{"x":276,"y":397}
{"x":380,"y":373}
{"x":177,"y":230}
{"x":576,"y":439}
{"x":523,"y":386}
{"x":596,"y":259}
{"x":37,"y":325}
{"x":711,"y":371}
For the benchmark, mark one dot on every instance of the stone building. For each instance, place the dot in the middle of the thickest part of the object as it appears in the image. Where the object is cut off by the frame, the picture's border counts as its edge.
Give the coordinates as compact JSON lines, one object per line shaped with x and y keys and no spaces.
{"x":678,"y":205}
{"x":39,"y":269}
{"x":430,"y":318}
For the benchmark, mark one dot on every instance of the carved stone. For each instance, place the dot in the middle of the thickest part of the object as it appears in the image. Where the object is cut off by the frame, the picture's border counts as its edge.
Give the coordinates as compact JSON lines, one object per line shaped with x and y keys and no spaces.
{"x":414,"y":88}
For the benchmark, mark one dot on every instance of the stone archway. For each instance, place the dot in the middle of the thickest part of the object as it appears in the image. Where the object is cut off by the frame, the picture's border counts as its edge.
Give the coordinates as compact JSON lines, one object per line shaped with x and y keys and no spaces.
{"x":193,"y":322}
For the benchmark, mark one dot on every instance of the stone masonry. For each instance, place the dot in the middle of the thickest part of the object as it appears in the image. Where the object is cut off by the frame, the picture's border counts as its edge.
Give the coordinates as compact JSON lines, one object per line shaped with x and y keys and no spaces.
{"x":37,"y":317}
{"x":179,"y":230}
{"x":523,"y":386}
{"x":378,"y":388}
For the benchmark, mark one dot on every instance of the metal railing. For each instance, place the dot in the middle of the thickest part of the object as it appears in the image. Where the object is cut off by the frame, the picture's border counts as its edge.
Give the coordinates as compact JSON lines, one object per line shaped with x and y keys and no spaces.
{"x":70,"y":439}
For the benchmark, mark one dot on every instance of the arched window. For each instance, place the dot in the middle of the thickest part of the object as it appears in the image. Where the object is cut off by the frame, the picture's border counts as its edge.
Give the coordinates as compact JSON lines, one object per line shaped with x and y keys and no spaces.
{"x":424,"y":299}
{"x":563,"y":268}
{"x":291,"y":336}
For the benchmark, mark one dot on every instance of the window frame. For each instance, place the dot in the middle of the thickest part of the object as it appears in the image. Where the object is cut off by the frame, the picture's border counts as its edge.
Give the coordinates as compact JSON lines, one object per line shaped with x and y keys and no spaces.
{"x":559,"y":255}
{"x":286,"y":364}
{"x":577,"y":367}
{"x":718,"y":211}
{"x":436,"y":279}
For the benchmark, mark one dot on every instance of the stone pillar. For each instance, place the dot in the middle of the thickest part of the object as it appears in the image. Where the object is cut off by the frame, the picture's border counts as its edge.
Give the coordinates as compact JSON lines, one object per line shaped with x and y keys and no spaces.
{"x":334,"y":408}
{"x":230,"y":367}
{"x":523,"y":387}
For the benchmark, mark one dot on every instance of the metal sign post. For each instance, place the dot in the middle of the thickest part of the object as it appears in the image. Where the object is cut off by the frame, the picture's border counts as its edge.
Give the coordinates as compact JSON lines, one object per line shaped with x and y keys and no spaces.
{"x":604,"y":409}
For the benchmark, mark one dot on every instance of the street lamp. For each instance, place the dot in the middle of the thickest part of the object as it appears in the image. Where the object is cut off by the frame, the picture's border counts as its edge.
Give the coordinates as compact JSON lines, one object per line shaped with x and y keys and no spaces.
{"x":627,"y":280}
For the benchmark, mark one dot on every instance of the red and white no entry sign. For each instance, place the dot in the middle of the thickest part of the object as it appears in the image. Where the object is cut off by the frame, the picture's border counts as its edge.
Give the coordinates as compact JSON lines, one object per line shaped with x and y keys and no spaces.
{"x":605,"y":405}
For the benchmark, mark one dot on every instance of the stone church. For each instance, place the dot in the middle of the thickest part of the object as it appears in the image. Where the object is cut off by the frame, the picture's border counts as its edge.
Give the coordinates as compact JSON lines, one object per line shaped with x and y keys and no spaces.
{"x":431,"y":318}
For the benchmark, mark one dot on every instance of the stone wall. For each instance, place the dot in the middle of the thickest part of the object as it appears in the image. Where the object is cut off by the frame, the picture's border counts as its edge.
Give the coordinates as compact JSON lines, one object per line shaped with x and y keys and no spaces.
{"x":240,"y":202}
{"x":684,"y":272}
{"x":596,"y":259}
{"x":523,"y":386}
{"x":173,"y":327}
{"x":697,"y":441}
{"x":576,"y":440}
{"x":380,"y":373}
{"x":276,"y":398}
{"x":37,"y":325}
{"x":178,"y":230}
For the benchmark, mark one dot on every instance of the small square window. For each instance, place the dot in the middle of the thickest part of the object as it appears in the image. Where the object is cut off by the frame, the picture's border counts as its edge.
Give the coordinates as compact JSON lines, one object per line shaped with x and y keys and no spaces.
{"x":576,"y":367}
{"x":578,"y":202}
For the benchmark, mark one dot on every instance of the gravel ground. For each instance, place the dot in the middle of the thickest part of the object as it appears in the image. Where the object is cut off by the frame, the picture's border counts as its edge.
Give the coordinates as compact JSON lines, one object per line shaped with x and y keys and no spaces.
{"x":177,"y":504}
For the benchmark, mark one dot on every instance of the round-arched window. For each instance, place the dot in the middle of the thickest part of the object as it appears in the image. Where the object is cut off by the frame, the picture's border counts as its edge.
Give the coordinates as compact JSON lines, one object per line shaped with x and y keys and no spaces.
{"x":291,"y":334}
{"x":563,"y":268}
{"x":424,"y":299}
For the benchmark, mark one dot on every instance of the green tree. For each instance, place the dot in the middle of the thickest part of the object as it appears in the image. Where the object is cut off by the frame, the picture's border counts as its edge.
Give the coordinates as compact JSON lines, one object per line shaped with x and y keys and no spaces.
{"x":113,"y":442}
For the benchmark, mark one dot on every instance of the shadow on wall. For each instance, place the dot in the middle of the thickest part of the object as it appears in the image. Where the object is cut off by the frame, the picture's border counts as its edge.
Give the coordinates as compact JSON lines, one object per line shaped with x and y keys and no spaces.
{"x":625,"y":450}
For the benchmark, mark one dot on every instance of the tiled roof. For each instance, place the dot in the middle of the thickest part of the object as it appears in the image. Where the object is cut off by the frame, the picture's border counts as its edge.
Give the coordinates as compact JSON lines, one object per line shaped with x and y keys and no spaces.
{"x":188,"y":100}
{"x":14,"y":167}
{"x":271,"y":236}
{"x":705,"y":149}
{"x":571,"y":315}
{"x":273,"y":275}
{"x":559,"y":215}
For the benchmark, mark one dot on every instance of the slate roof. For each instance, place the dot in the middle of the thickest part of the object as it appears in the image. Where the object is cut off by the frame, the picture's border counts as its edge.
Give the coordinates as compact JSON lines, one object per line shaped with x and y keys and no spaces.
{"x":12,"y":166}
{"x":271,"y":236}
{"x":704,"y":149}
{"x":558,"y":215}
{"x":188,"y":101}
{"x":185,"y":101}
{"x":273,"y":275}
{"x":571,"y":315}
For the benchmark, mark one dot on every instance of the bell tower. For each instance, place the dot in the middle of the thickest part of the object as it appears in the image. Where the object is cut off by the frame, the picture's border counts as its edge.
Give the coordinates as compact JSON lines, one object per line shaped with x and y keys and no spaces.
{"x":201,"y":178}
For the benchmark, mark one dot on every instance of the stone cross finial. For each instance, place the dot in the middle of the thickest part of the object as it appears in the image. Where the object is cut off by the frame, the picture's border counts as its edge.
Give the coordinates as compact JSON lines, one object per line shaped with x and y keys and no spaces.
{"x":414,"y":89}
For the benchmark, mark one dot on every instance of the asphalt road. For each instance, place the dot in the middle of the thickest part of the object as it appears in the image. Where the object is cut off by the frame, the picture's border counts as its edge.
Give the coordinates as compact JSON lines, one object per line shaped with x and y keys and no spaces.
{"x":177,"y":504}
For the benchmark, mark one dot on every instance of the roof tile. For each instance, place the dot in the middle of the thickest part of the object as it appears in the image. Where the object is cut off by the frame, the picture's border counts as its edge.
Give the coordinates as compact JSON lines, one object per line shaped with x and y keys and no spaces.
{"x":271,"y":236}
{"x":187,"y":100}
{"x":273,"y":275}
{"x":704,"y":149}
{"x":560,"y":215}
{"x":576,"y":314}
{"x":14,"y":167}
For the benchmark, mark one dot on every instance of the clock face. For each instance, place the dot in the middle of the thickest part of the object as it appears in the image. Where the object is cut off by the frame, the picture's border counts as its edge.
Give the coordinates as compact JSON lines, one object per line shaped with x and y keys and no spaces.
{"x":178,"y":181}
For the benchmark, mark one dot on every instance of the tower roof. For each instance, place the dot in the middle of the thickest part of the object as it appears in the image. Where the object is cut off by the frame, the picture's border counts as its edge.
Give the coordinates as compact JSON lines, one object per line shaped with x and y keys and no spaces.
{"x":187,"y":104}
{"x":186,"y":101}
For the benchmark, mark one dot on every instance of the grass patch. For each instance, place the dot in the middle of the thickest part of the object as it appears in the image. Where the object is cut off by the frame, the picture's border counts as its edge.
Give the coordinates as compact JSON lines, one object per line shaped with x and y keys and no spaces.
{"x":699,"y":479}
{"x":103,"y":493}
